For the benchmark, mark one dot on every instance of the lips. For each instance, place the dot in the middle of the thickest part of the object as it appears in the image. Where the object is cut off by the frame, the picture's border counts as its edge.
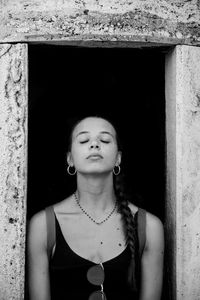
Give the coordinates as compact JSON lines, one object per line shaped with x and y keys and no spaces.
{"x":94,"y":155}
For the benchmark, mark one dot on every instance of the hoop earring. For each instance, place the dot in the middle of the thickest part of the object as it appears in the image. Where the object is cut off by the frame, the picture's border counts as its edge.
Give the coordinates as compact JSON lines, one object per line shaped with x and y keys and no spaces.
{"x":69,"y":172}
{"x":118,"y":170}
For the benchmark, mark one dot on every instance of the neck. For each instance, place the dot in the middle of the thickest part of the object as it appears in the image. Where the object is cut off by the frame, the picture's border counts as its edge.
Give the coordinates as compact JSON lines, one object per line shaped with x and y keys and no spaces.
{"x":96,"y":193}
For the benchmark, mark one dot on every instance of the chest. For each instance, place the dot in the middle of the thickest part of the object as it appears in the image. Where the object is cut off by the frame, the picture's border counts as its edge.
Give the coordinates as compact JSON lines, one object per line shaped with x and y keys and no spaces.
{"x":97,"y":243}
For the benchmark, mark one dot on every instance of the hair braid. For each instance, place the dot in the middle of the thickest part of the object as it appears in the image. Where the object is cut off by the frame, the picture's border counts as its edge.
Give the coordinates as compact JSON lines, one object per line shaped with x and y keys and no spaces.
{"x":130,"y":230}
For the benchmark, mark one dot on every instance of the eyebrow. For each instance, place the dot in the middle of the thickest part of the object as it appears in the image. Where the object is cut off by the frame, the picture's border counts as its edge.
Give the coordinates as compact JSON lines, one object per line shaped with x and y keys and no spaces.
{"x":82,"y":132}
{"x":101,"y":132}
{"x":106,"y":132}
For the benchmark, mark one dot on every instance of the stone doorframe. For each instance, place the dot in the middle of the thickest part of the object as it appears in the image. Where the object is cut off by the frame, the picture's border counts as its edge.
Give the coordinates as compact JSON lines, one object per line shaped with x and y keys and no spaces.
{"x":182,"y":228}
{"x":182,"y":92}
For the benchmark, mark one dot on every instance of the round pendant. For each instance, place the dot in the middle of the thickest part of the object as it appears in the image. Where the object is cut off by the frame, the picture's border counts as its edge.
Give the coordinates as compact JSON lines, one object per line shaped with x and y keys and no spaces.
{"x":98,"y":295}
{"x":95,"y":275}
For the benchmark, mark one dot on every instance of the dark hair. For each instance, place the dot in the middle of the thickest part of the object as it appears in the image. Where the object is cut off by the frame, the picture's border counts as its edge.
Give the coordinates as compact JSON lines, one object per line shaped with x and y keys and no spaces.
{"x":130,"y":229}
{"x":123,"y":198}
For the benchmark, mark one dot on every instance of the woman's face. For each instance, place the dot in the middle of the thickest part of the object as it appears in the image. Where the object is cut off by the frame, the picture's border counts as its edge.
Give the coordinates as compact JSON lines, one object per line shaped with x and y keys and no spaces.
{"x":94,"y":147}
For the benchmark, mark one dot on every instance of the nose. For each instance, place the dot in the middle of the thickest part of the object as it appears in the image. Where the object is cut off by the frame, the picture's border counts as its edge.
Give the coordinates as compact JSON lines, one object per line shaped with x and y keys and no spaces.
{"x":95,"y":145}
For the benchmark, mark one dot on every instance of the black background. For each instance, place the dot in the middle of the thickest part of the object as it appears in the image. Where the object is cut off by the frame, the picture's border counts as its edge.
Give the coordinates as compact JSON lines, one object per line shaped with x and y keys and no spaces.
{"x":122,"y":84}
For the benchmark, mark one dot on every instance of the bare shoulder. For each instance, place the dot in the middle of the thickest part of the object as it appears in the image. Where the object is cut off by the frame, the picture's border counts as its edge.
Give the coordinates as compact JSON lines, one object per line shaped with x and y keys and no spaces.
{"x":154,"y":231}
{"x":154,"y":224}
{"x":38,"y":220}
{"x":37,"y":229}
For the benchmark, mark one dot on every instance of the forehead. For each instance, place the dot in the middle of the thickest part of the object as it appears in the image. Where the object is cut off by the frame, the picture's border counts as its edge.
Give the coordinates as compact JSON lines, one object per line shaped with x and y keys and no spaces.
{"x":93,"y":124}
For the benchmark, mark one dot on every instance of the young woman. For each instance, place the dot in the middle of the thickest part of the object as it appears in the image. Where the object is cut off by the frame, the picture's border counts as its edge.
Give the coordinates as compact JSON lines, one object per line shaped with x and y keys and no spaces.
{"x":95,"y":244}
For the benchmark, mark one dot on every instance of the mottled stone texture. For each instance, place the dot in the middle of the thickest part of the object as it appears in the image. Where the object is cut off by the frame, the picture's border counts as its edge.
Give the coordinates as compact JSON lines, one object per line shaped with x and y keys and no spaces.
{"x":183,"y":205}
{"x":103,"y":21}
{"x":170,"y":211}
{"x":113,"y":22}
{"x":13,"y":144}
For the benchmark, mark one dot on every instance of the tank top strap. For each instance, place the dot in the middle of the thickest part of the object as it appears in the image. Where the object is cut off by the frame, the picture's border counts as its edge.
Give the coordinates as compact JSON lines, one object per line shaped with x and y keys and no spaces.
{"x":51,"y":235}
{"x":141,"y":220}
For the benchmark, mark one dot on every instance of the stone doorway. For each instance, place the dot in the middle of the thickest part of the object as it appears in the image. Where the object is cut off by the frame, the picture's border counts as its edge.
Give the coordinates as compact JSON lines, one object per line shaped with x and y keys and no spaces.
{"x":182,"y":165}
{"x":127,"y":85}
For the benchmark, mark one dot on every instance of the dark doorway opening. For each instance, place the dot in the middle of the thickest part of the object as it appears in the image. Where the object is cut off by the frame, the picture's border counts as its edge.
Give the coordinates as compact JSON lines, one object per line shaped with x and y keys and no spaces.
{"x":127,"y":86}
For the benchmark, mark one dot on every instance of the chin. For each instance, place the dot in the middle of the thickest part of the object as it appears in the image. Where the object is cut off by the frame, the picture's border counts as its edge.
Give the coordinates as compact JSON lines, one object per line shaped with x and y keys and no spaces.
{"x":95,"y":171}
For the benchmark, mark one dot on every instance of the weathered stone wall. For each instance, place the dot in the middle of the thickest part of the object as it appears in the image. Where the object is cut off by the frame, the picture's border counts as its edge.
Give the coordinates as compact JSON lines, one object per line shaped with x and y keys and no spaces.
{"x":183,"y":152}
{"x":170,"y":211}
{"x":129,"y":23}
{"x":13,"y":154}
{"x":188,"y":173}
{"x":112,"y":21}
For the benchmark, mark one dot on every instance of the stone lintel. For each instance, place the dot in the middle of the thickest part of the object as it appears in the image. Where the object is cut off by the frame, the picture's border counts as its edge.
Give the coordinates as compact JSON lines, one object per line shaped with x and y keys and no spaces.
{"x":159,"y":22}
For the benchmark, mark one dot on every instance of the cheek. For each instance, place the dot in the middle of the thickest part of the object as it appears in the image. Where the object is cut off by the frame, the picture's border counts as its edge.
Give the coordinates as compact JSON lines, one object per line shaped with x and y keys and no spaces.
{"x":77,"y":154}
{"x":112,"y":154}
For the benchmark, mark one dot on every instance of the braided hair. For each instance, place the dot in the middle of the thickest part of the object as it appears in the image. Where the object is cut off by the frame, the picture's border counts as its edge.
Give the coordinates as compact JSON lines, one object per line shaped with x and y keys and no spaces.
{"x":130,"y":230}
{"x":129,"y":223}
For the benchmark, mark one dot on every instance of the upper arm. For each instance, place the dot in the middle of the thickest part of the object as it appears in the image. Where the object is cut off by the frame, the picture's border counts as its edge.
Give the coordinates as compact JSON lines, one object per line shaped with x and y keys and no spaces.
{"x":38,"y":267}
{"x":152,"y":260}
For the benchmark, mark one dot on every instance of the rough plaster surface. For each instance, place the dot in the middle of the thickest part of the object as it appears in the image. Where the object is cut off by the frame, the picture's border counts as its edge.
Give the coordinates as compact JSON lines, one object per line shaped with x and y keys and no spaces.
{"x":13,"y":141}
{"x":185,"y":169}
{"x":183,"y":172}
{"x":170,"y":209}
{"x":188,"y":175}
{"x":160,"y":22}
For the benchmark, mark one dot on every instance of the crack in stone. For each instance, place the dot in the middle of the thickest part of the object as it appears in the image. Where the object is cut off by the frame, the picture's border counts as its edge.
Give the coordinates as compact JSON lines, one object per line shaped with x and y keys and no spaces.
{"x":5,"y":51}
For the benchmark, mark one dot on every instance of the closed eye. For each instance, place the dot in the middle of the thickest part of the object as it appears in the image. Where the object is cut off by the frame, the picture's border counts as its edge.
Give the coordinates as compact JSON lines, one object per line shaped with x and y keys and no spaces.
{"x":101,"y":140}
{"x":106,"y":142}
{"x":83,"y":142}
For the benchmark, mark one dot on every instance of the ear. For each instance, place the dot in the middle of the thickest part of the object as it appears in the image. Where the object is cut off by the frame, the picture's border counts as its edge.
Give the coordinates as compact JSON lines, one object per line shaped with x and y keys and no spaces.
{"x":119,"y":158}
{"x":69,"y":159}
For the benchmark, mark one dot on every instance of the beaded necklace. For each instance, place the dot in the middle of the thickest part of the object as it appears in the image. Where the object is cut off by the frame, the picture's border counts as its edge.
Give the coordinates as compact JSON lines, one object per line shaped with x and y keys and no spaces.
{"x":91,"y":218}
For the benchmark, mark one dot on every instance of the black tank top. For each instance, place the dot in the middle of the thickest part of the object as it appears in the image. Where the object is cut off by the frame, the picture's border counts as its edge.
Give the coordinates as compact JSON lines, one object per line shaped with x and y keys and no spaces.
{"x":68,"y":273}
